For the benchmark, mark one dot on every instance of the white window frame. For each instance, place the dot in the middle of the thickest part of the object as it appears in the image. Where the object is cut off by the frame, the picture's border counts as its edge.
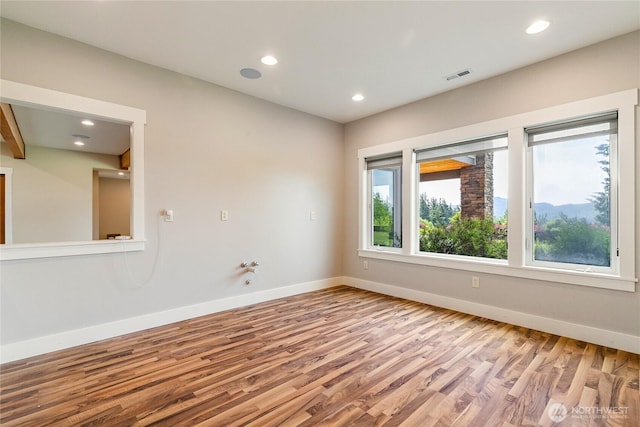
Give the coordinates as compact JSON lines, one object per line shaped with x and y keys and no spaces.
{"x":397,"y":204}
{"x":624,"y":279}
{"x":614,"y":233}
{"x":486,"y":144}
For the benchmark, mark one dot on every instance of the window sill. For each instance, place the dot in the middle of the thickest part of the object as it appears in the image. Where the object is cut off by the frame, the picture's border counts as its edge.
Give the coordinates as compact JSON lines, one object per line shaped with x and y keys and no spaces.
{"x":500,"y":267}
{"x":59,"y":249}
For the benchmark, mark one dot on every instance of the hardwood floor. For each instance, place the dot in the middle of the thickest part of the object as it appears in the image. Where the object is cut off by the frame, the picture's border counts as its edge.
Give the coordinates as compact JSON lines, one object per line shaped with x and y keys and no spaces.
{"x":338,"y":357}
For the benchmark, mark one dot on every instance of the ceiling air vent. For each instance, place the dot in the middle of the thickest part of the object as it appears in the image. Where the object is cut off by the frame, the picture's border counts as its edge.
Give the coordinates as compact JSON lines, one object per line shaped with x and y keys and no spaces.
{"x":462,"y":73}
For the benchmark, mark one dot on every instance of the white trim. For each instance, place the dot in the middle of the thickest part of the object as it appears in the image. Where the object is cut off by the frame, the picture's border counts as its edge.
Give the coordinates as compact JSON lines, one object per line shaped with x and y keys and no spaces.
{"x":500,"y":267}
{"x":32,"y":96}
{"x":598,"y":336}
{"x":516,"y":213}
{"x":408,"y":203}
{"x":40,"y":345}
{"x":8,"y":204}
{"x":60,"y":249}
{"x":364,"y":202}
{"x":627,"y":216}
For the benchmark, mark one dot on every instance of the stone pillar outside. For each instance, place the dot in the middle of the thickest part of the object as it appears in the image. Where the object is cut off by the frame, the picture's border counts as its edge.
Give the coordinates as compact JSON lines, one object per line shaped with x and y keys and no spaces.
{"x":476,"y":188}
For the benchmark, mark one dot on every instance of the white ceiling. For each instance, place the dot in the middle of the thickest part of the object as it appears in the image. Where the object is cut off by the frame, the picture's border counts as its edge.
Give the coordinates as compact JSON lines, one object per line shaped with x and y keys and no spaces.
{"x":58,"y":129}
{"x":394,"y":52}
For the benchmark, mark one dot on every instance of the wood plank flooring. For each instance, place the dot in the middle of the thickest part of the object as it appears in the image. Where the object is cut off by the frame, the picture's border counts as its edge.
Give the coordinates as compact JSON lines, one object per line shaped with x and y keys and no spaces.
{"x":337,"y":357}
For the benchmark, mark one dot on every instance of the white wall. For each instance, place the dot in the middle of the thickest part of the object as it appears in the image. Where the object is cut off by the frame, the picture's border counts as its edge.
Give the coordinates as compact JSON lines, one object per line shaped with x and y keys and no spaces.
{"x":206,"y":149}
{"x":52,"y":193}
{"x":604,"y":68}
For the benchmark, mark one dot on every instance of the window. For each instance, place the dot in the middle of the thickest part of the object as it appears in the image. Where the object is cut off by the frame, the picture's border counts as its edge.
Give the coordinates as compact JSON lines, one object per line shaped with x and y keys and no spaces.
{"x":463,"y":198}
{"x":572,"y":203}
{"x":567,"y":174}
{"x":385,"y":202}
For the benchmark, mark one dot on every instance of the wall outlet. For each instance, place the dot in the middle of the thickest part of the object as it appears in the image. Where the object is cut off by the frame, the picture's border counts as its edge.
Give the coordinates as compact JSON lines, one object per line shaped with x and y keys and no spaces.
{"x":224,"y":215}
{"x":365,"y":264}
{"x":168,"y":215}
{"x":475,"y":282}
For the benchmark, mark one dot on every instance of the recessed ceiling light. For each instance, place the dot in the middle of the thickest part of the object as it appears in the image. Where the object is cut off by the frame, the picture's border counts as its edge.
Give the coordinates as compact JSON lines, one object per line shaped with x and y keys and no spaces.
{"x":87,"y":122}
{"x":358,"y":97}
{"x":269,"y":60}
{"x":537,"y":27}
{"x":250,"y":73}
{"x":79,"y":143}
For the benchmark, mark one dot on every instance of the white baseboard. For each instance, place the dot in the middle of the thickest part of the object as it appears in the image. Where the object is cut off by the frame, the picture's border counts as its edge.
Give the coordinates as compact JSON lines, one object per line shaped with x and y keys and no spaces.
{"x":67,"y":339}
{"x":585,"y":333}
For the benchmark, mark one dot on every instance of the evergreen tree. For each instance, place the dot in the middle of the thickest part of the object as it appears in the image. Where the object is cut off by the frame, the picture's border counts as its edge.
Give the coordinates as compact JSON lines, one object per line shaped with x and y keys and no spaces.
{"x":601,"y":198}
{"x":436,"y":211}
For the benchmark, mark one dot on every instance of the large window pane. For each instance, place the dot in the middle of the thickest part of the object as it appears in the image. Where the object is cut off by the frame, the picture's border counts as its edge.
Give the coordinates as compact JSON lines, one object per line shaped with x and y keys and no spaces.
{"x":463,"y":198}
{"x":386,"y":206}
{"x":572,"y":192}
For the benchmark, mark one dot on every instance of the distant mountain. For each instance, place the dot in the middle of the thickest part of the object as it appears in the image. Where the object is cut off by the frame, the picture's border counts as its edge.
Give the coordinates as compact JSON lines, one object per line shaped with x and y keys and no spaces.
{"x":499,"y":207}
{"x":580,"y":210}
